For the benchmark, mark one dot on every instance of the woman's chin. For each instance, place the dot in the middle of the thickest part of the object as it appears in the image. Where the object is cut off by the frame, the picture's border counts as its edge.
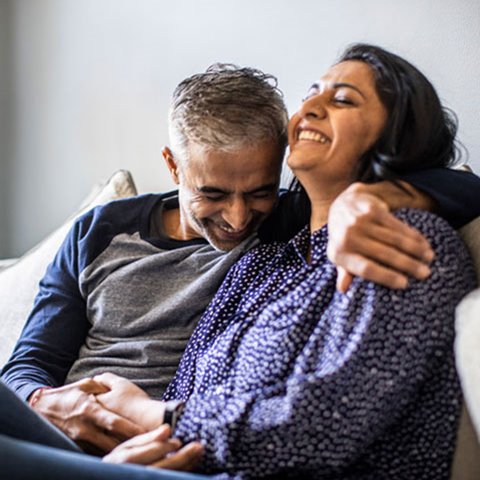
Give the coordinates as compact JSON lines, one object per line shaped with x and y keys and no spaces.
{"x":298,"y":162}
{"x":302,"y":166}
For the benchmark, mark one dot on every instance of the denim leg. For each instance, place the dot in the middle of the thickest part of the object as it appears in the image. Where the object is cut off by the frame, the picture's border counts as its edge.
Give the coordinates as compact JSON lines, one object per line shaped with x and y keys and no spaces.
{"x":18,"y":420}
{"x":20,"y":460}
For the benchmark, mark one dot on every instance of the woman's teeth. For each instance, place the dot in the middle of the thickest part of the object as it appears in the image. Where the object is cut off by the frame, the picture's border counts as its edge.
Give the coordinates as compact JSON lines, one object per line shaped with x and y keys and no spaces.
{"x":311,"y":135}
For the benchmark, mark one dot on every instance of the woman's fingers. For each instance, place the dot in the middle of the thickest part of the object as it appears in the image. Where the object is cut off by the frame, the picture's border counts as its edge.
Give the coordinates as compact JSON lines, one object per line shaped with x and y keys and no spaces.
{"x":160,"y":434}
{"x":145,"y":449}
{"x":142,"y":454}
{"x":185,"y":459}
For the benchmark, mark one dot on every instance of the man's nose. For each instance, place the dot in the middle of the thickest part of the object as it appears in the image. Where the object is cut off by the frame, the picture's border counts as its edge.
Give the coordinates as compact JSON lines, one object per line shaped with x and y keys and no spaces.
{"x":237,"y":214}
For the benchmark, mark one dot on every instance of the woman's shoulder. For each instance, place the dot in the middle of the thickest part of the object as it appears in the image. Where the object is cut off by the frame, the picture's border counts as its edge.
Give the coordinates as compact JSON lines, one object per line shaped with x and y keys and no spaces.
{"x":452,"y":262}
{"x":436,"y":229}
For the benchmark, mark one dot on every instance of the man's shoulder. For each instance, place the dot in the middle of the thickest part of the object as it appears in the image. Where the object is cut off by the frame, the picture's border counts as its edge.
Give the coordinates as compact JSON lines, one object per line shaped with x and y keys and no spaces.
{"x":93,"y":231}
{"x":133,"y":204}
{"x":124,"y":211}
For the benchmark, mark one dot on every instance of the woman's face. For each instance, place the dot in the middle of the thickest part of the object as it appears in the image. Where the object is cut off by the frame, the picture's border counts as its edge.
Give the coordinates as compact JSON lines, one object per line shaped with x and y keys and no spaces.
{"x":339,"y":120}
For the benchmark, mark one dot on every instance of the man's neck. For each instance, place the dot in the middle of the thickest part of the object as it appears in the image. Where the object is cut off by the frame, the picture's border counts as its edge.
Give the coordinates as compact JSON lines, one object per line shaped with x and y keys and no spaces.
{"x":170,"y":221}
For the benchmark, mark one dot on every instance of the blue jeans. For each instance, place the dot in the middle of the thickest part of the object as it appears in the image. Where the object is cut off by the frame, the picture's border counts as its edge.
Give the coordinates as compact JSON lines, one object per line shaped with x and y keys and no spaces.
{"x":32,"y":449}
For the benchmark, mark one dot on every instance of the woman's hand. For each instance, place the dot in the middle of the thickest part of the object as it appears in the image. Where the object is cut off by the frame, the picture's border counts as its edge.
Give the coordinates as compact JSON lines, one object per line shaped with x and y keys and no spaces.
{"x":156,"y":449}
{"x":130,"y":401}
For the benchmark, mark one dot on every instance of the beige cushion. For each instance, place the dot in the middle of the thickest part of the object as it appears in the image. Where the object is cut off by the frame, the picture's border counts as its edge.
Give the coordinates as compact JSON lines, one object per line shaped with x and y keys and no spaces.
{"x":467,"y":341}
{"x":467,"y":356}
{"x":467,"y":352}
{"x":19,"y":282}
{"x":471,"y":236}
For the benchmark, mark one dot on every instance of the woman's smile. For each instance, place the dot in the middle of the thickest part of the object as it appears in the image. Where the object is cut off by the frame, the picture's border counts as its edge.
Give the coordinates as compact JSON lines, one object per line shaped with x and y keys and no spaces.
{"x":312,"y":135}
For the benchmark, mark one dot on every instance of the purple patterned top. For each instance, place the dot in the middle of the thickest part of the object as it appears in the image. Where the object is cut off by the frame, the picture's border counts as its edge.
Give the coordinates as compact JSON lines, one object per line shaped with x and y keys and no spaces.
{"x":286,"y":377}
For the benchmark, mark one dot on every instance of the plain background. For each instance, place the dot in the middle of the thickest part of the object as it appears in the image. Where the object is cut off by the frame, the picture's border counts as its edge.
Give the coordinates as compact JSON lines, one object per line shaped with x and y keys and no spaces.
{"x":85,"y":84}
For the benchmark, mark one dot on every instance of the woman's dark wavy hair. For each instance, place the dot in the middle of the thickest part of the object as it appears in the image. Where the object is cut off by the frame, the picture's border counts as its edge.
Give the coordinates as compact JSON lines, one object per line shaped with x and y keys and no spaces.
{"x":419,"y":133}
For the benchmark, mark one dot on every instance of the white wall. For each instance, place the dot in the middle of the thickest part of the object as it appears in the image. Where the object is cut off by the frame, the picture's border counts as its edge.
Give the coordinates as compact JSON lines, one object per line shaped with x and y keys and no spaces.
{"x":4,"y":126}
{"x":92,"y":78}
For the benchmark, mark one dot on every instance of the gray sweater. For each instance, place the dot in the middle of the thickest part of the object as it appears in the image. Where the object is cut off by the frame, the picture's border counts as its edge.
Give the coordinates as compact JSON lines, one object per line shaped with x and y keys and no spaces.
{"x":118,"y":298}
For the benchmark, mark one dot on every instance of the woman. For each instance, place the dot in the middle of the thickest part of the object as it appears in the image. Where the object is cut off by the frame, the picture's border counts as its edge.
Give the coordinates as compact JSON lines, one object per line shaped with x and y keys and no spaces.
{"x":285,"y":376}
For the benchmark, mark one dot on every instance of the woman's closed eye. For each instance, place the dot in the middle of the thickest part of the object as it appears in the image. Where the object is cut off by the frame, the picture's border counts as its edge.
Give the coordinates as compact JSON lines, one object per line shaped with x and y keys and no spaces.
{"x":342,"y":100}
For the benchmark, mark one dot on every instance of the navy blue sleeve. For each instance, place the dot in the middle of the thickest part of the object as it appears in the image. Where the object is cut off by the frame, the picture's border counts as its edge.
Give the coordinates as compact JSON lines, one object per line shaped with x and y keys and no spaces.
{"x":57,"y":324}
{"x":456,"y":193}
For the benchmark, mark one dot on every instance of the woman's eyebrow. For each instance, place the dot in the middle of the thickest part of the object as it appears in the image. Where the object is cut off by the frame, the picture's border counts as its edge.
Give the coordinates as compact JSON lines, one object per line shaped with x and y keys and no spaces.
{"x":316,"y":86}
{"x":348,"y":85}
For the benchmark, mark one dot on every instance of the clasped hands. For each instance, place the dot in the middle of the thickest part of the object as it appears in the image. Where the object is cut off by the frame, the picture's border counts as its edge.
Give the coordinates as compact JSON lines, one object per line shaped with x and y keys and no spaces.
{"x":108,"y":414}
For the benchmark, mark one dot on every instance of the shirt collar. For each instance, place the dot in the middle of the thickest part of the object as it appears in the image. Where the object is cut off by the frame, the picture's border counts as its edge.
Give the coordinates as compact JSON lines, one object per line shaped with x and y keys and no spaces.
{"x":318,"y":239}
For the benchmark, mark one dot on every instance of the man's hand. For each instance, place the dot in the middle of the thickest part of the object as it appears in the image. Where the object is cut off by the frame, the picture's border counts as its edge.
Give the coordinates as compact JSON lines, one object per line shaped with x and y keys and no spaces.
{"x":156,"y":449}
{"x":130,"y":401}
{"x":366,"y":240}
{"x":75,"y":411}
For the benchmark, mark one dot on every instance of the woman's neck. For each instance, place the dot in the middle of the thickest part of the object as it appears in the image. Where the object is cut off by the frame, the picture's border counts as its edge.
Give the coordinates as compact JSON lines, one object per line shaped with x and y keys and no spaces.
{"x":321,"y":197}
{"x":319,"y":214}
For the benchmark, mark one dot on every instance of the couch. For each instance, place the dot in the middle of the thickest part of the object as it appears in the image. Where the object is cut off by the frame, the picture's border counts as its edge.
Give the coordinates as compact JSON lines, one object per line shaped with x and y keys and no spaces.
{"x":19,"y":279}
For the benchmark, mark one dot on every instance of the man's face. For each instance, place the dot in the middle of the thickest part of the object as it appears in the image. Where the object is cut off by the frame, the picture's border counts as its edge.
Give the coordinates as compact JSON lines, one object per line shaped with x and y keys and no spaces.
{"x":225,"y":196}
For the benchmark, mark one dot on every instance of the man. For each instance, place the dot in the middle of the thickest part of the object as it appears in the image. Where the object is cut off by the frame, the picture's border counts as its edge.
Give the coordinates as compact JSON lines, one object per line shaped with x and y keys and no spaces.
{"x":128,"y":285}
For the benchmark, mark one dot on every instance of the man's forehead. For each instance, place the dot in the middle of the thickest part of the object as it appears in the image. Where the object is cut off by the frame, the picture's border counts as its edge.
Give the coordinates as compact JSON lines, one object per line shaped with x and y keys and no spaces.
{"x":252,"y":160}
{"x":238,"y":179}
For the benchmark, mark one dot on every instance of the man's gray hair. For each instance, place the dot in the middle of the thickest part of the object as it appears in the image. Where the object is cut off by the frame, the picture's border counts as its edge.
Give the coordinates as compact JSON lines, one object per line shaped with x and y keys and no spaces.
{"x":227,"y":108}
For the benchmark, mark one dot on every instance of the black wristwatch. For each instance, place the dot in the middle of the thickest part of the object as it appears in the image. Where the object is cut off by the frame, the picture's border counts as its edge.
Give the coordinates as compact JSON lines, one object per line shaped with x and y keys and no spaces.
{"x":173,"y":410}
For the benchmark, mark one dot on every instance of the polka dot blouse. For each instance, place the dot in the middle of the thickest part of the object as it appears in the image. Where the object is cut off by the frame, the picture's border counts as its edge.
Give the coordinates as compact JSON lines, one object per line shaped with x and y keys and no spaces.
{"x":285,"y":377}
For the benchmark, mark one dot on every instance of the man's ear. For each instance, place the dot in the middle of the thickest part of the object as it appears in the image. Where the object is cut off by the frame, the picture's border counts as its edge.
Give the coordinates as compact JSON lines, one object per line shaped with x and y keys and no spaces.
{"x":172,"y":164}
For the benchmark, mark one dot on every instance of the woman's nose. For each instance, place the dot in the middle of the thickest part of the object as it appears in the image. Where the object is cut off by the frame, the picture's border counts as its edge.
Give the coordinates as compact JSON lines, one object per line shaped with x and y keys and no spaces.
{"x":313,"y":107}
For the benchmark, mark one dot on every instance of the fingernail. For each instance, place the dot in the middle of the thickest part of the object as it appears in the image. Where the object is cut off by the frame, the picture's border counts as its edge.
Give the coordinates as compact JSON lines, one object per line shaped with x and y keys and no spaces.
{"x":428,"y":256}
{"x":176,"y":442}
{"x":423,"y":271}
{"x":402,"y":283}
{"x":163,"y":428}
{"x":197,"y":447}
